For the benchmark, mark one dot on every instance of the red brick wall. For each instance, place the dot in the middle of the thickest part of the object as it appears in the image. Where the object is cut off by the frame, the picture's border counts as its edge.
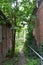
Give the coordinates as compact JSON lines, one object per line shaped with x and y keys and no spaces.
{"x":39,"y":25}
{"x":36,"y":32}
{"x":0,"y":42}
{"x":0,"y":49}
{"x":4,"y":39}
{"x":7,"y":39}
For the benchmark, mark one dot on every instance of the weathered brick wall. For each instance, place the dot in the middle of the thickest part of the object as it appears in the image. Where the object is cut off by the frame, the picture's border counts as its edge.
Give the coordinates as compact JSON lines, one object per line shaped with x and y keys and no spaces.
{"x":0,"y":49}
{"x":4,"y":39}
{"x":39,"y":25}
{"x":40,"y":18}
{"x":9,"y":38}
{"x":36,"y":32}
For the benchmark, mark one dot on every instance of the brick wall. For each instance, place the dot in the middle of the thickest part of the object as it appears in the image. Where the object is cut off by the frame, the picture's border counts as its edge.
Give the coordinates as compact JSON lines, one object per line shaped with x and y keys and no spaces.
{"x":4,"y":34}
{"x":0,"y":49}
{"x":7,"y":39}
{"x":39,"y":25}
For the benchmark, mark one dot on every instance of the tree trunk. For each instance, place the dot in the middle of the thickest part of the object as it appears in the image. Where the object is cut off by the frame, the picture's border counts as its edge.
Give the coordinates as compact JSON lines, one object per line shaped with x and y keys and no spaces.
{"x":13,"y":40}
{"x":13,"y":43}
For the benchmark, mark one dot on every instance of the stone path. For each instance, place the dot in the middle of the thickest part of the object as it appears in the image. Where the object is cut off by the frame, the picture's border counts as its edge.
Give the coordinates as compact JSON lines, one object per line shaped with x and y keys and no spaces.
{"x":22,"y":60}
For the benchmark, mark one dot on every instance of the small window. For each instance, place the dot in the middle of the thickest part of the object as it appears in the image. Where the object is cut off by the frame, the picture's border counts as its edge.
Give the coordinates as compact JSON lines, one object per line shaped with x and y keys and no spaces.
{"x":0,"y":33}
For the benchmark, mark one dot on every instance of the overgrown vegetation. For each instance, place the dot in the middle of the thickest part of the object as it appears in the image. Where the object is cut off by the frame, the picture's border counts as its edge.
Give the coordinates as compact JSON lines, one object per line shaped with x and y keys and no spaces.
{"x":18,"y":13}
{"x":31,"y":61}
{"x":30,"y":38}
{"x":12,"y":61}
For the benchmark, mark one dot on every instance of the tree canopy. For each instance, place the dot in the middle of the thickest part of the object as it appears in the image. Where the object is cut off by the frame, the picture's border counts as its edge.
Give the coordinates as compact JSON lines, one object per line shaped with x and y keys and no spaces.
{"x":19,"y":9}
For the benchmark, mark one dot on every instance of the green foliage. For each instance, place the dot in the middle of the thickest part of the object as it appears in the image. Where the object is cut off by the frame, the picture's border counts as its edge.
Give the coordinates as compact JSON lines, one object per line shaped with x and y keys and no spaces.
{"x":30,"y":42}
{"x":1,"y":22}
{"x":30,"y":19}
{"x":21,"y":10}
{"x":12,"y":61}
{"x":30,"y":39}
{"x":19,"y":13}
{"x":33,"y":61}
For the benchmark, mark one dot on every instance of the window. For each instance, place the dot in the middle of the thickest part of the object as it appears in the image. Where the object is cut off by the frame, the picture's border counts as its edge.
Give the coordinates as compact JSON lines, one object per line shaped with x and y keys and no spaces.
{"x":0,"y":33}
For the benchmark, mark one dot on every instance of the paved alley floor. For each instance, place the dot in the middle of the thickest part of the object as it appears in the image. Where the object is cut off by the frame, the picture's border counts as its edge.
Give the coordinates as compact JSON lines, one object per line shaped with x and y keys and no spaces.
{"x":22,"y":60}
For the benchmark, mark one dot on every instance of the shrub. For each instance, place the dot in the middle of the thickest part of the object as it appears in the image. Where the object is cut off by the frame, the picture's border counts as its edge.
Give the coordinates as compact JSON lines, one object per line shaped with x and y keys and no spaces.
{"x":30,"y":42}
